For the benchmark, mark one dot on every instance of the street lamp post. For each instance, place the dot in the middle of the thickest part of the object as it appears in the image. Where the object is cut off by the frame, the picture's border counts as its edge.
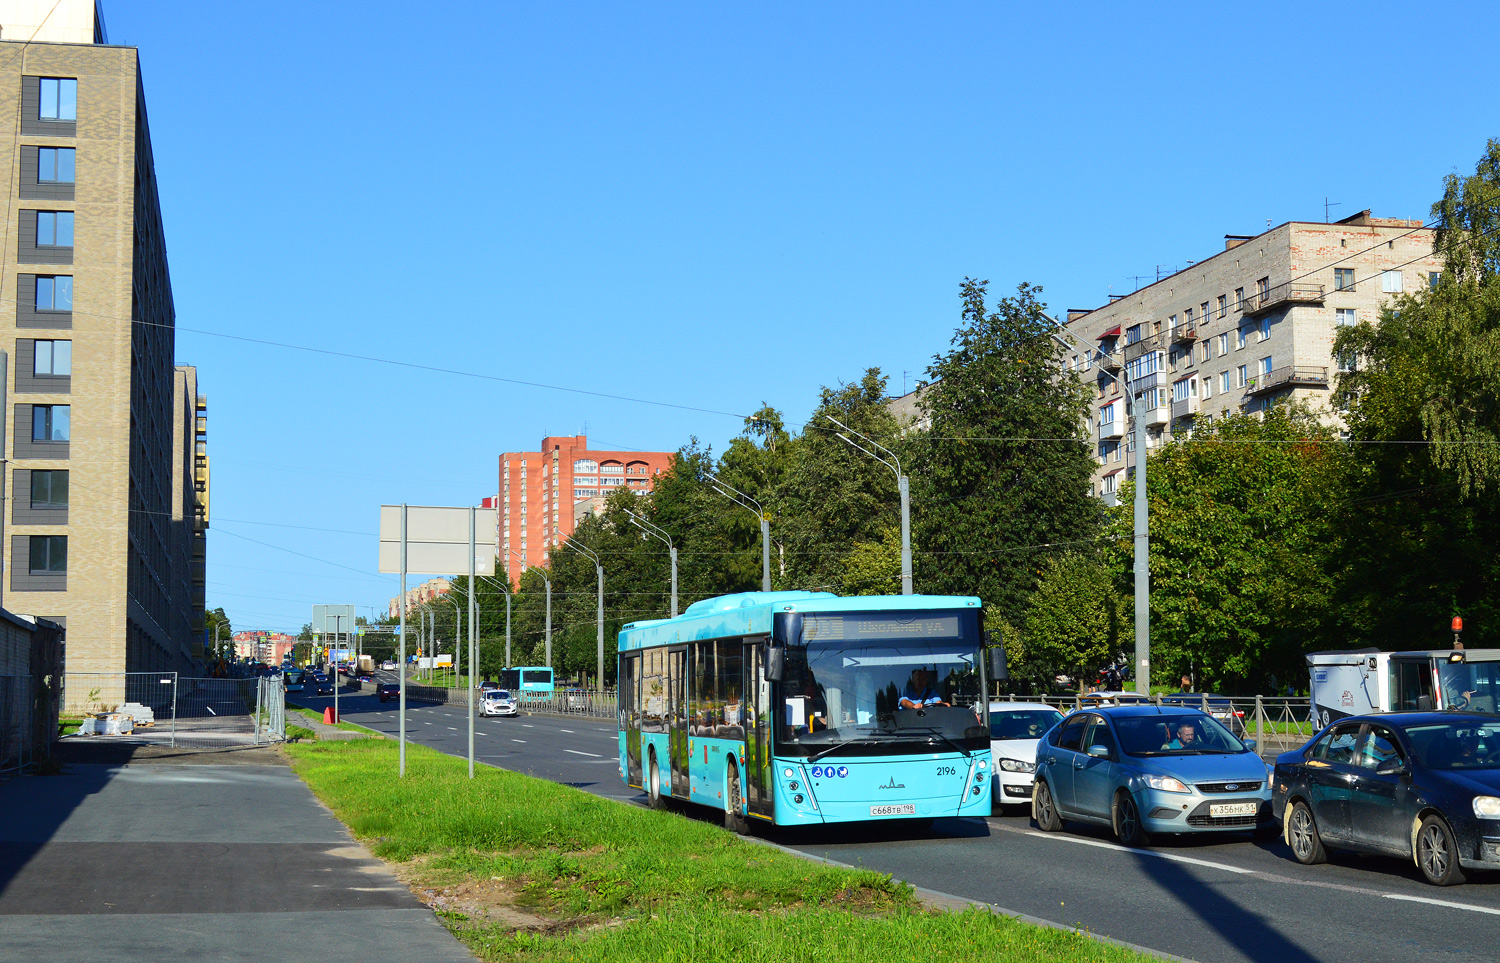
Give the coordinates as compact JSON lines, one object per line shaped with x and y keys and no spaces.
{"x":506,"y":589}
{"x":660,"y":533}
{"x":599,"y":612}
{"x":751,"y":505}
{"x":903,"y":485}
{"x":457,"y":636}
{"x":1142,"y":525}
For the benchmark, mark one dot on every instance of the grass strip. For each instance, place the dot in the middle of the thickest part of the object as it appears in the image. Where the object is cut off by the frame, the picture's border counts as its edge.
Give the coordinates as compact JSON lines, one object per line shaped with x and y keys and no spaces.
{"x":526,"y":870}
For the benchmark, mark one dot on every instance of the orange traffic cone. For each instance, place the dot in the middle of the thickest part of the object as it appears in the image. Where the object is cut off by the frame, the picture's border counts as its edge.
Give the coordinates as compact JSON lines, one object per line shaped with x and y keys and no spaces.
{"x":330,"y":717}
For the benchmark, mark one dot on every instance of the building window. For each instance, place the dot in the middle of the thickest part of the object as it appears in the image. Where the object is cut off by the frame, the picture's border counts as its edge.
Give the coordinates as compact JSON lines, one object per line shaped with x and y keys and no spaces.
{"x":49,"y":555}
{"x":50,"y":422}
{"x":1432,"y":278}
{"x":1203,"y":351}
{"x":59,"y":99}
{"x":54,"y":293}
{"x":1239,"y":337}
{"x":1263,"y":288}
{"x":1223,"y":382}
{"x":1223,"y":305}
{"x":1265,"y":365}
{"x":1133,"y":334}
{"x":1208,"y":386}
{"x":1390,"y":282}
{"x":53,"y":359}
{"x":1223,"y":344}
{"x":54,"y":228}
{"x":1239,"y":375}
{"x":1203,"y":310}
{"x":1344,"y":317}
{"x":54,"y":165}
{"x":1343,"y":279}
{"x":1110,"y":484}
{"x":49,"y":489}
{"x":1239,"y":299}
{"x":1265,"y":328}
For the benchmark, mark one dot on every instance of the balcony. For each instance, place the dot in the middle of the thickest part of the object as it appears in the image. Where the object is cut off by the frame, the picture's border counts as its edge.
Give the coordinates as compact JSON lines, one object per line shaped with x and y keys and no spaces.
{"x":1282,"y":295}
{"x":1137,"y":348}
{"x":1112,"y":429}
{"x":1159,"y":415}
{"x":1187,"y":331}
{"x":1291,"y":376}
{"x":1110,"y":362}
{"x":1186,"y":408}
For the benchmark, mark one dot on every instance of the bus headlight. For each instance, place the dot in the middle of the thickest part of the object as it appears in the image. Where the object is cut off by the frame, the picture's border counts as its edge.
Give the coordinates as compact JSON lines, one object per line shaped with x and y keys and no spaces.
{"x":787,"y":772}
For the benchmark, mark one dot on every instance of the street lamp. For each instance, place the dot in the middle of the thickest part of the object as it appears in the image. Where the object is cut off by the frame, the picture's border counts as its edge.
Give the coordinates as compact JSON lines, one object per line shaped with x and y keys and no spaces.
{"x":658,"y":532}
{"x":599,"y":616}
{"x":1142,"y":562}
{"x":751,"y":505}
{"x":457,"y":635}
{"x":506,"y":589}
{"x":903,"y":485}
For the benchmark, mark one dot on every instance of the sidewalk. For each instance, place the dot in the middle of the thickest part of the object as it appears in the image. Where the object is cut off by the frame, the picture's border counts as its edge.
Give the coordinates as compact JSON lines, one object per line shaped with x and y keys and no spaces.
{"x":223,"y":856}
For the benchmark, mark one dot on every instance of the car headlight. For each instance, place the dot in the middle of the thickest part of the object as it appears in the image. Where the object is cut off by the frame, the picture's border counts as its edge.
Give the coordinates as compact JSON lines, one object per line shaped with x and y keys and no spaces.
{"x":1166,"y":784}
{"x":1487,"y":806}
{"x":1016,"y":765}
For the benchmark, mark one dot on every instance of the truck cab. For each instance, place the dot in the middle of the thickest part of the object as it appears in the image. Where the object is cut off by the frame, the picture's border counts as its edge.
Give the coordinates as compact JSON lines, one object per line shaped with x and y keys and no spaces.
{"x":1367,"y":680}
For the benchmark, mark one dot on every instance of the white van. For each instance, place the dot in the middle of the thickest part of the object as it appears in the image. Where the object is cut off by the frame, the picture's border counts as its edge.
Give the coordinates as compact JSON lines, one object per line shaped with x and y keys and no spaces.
{"x":1367,"y":680}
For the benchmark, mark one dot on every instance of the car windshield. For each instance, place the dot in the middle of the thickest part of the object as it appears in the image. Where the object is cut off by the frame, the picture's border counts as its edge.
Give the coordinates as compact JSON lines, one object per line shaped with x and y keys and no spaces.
{"x":858,"y":692}
{"x":496,"y":695}
{"x":1470,"y":685}
{"x":1174,"y":734}
{"x":1460,"y":744}
{"x":1022,"y":723}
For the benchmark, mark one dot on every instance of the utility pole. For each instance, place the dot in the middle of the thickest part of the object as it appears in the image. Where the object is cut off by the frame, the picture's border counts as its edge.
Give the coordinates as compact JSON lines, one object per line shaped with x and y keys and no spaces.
{"x":1142,"y":526}
{"x":401,"y":664}
{"x":903,"y":485}
{"x":750,"y":505}
{"x":658,"y":532}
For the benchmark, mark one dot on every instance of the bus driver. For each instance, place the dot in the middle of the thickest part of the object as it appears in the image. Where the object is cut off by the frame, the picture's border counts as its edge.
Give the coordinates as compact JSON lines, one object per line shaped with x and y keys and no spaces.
{"x":919,"y":691}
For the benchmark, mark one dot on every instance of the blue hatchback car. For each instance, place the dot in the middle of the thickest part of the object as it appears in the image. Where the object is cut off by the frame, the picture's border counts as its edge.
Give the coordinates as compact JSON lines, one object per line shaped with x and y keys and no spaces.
{"x":1150,"y":769}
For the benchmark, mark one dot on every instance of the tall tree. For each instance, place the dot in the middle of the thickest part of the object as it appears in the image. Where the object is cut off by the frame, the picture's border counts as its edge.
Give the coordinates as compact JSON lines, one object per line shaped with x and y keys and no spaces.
{"x":1001,"y":477}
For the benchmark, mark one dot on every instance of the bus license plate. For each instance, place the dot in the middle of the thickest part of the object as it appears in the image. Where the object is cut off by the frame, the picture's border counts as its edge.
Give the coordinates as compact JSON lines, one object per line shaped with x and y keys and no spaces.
{"x":1233,"y":809}
{"x":908,"y":809}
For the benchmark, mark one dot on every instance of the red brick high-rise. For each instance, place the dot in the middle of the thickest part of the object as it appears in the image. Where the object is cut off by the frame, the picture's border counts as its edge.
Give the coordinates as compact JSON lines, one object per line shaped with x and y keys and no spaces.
{"x":541,"y":491}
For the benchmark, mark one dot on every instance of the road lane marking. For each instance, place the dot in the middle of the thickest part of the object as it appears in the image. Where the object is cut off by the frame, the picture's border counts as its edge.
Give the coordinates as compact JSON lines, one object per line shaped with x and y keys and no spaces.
{"x":453,"y":728}
{"x":518,"y":740}
{"x":1101,"y":844}
{"x":578,"y":753}
{"x":1442,"y":902}
{"x":528,"y":725}
{"x":568,"y":731}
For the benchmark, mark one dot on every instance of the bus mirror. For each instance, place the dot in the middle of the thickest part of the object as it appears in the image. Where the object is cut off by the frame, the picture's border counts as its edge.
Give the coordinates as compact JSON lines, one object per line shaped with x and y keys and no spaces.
{"x":775,"y":662}
{"x":999,"y":669}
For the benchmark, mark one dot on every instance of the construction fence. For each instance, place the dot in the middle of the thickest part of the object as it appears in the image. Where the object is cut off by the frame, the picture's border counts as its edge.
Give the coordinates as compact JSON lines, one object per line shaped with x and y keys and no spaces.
{"x":166,"y":708}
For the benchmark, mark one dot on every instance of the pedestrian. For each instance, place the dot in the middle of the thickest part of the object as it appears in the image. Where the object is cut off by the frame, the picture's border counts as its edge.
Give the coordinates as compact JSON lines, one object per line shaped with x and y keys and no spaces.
{"x":1187,"y":684}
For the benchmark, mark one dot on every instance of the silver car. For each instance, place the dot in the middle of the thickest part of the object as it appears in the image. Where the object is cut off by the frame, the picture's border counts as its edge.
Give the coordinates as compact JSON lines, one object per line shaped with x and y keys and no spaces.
{"x":496,"y":702}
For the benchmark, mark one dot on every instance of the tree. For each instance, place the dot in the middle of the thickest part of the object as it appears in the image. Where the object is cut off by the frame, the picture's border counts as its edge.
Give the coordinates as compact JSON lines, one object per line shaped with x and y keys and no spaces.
{"x":1423,"y":411}
{"x":1001,"y":478}
{"x":1241,"y":522}
{"x":1073,"y":620}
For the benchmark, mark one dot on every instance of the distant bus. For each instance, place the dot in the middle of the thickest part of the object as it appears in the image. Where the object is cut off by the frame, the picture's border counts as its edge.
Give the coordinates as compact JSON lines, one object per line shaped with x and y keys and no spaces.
{"x":527,"y":681}
{"x":799,"y":708}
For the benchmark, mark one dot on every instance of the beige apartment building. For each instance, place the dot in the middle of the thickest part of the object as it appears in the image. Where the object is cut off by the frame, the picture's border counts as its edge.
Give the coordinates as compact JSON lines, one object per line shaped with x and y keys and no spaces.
{"x":1241,"y":330}
{"x":108,"y":466}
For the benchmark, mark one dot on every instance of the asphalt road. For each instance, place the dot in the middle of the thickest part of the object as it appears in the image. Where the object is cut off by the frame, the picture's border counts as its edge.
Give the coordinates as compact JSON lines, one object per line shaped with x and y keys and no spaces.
{"x":1224,"y":898}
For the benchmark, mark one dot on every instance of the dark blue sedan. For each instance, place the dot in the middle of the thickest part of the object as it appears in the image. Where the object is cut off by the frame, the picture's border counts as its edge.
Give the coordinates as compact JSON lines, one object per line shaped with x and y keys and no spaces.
{"x":1423,"y":786}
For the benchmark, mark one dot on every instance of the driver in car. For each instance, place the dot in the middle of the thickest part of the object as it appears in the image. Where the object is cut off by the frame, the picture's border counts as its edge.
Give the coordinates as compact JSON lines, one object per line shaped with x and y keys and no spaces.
{"x":1187,"y":738}
{"x":919,"y":691}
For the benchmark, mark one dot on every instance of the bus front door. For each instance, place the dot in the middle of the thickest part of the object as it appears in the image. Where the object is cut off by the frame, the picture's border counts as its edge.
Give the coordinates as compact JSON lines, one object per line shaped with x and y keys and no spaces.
{"x":759,"y":775}
{"x":677,"y":745}
{"x":630,"y":716}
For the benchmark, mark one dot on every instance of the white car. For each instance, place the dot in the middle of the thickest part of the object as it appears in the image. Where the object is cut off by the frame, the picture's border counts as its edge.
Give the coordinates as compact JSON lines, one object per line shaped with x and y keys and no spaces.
{"x":388,"y":666}
{"x":1015,"y":728}
{"x":496,"y":702}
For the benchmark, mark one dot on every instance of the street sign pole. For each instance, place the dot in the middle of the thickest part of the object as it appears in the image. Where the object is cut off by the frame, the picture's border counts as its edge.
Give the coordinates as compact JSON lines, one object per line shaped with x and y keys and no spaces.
{"x":401,"y":663}
{"x":471,"y":643}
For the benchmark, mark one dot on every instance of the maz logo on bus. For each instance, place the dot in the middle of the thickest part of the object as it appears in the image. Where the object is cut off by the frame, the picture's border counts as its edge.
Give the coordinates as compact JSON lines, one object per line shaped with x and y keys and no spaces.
{"x":893,"y":784}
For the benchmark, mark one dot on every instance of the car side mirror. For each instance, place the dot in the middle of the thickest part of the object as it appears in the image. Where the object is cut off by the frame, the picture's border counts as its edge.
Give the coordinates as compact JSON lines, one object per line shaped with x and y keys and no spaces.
{"x":1393,"y":766}
{"x":775,"y":663}
{"x":1099,"y":752}
{"x":1249,"y":743}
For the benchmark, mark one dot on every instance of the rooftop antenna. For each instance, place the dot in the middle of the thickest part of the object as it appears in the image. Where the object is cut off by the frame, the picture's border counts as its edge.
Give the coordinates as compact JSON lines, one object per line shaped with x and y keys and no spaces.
{"x":1326,"y":205}
{"x":1138,"y":278}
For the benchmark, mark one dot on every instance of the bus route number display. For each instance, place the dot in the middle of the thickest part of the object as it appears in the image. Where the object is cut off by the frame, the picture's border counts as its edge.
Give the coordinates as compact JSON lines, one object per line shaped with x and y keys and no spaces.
{"x":859,"y":628}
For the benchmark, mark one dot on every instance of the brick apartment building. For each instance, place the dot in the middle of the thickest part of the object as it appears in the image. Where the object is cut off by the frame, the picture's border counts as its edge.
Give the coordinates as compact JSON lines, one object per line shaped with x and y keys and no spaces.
{"x":419,"y":595}
{"x":544,"y":494}
{"x":1241,"y":330}
{"x":108,"y":471}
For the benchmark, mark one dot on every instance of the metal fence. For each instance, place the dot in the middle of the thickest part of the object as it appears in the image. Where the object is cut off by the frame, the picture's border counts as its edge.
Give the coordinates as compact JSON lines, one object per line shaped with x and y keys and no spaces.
{"x":1276,"y":723}
{"x":270,"y":711}
{"x":166,"y":708}
{"x":18,"y":749}
{"x":572,"y":702}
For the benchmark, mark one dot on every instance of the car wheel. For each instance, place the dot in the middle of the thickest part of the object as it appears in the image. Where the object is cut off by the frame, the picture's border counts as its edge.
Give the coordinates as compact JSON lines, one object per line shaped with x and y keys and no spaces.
{"x":1437,"y":853}
{"x":1044,"y":808}
{"x":734,"y":803}
{"x":1127,"y":820}
{"x":1302,"y":835}
{"x":653,"y":785}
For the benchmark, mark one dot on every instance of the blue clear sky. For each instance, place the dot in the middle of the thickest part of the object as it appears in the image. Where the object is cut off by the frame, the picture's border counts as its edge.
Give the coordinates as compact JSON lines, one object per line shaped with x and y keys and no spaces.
{"x":708,"y":205}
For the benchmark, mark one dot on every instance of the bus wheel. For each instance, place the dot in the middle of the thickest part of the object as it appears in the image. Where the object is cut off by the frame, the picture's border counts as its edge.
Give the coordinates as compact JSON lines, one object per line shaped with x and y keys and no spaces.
{"x":734,"y":803}
{"x":653,"y":785}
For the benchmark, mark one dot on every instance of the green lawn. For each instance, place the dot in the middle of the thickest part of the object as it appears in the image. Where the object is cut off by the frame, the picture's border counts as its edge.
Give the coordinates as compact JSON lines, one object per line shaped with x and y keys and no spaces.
{"x":529,"y":870}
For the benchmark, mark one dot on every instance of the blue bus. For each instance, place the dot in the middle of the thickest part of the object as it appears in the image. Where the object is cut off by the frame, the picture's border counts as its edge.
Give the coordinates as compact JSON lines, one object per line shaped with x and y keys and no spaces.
{"x":527,"y":681}
{"x":803,"y":708}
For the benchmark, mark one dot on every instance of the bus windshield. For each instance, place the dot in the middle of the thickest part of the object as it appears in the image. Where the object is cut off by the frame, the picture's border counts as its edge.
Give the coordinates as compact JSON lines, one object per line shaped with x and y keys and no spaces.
{"x":868,"y":696}
{"x":1470,"y":685}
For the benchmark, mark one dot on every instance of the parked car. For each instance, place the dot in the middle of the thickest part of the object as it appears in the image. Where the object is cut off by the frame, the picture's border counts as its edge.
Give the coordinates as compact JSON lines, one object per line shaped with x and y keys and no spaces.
{"x":388,"y":690}
{"x":1015,"y":728}
{"x":1143,"y":770}
{"x":1220,"y":707}
{"x":496,"y":702}
{"x":388,"y":666}
{"x":1423,"y":786}
{"x":488,"y":684}
{"x":1092,"y":700}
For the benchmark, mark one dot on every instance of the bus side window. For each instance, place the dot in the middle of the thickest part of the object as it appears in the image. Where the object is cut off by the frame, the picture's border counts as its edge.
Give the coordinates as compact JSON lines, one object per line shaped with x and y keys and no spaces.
{"x":1413,"y":686}
{"x":730,"y":704}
